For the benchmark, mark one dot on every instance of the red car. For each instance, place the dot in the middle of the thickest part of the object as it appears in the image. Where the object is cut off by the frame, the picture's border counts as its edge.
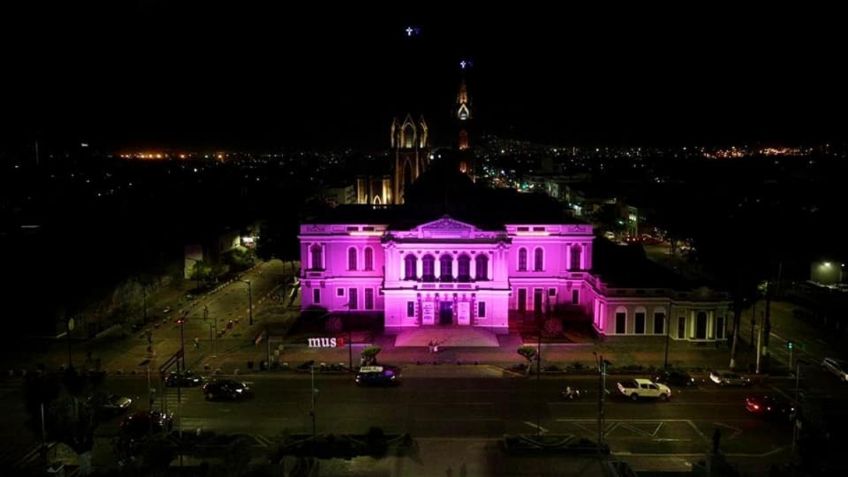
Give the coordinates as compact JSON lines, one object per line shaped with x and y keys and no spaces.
{"x":770,"y":406}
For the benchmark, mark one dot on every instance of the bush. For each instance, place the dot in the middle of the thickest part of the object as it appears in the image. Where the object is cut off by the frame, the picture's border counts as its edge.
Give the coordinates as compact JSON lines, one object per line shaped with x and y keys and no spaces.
{"x":578,"y":365}
{"x":528,"y":352}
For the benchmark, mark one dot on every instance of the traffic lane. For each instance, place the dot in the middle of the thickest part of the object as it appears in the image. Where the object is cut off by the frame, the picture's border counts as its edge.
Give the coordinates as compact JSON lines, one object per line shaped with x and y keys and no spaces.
{"x":480,"y":398}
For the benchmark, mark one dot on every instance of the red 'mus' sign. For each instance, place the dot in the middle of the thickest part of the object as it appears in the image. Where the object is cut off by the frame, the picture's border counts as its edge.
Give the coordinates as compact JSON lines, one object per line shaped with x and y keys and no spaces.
{"x":326,"y":342}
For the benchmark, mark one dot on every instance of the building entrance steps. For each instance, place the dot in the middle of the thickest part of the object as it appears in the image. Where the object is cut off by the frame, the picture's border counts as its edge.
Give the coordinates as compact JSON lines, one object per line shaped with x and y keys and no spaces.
{"x":447,"y":337}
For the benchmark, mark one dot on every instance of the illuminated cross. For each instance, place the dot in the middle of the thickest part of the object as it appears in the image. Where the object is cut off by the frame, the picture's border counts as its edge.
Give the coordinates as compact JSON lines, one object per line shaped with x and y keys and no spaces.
{"x":462,"y":64}
{"x":409,"y":31}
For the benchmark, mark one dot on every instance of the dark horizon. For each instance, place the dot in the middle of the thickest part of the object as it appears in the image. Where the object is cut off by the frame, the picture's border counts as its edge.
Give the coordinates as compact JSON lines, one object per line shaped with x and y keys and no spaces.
{"x":233,"y":77}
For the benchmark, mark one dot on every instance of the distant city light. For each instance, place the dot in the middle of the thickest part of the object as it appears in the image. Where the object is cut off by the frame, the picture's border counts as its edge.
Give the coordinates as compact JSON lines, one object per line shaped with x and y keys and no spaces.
{"x":83,"y":144}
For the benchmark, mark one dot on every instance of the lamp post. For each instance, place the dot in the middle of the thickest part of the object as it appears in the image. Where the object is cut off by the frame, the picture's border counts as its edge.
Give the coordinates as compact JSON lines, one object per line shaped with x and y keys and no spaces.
{"x":798,"y":364}
{"x":250,"y":300}
{"x":602,"y":386}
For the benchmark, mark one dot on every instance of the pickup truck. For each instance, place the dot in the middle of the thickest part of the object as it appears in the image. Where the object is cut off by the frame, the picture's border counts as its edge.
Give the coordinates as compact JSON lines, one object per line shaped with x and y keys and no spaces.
{"x":637,"y":388}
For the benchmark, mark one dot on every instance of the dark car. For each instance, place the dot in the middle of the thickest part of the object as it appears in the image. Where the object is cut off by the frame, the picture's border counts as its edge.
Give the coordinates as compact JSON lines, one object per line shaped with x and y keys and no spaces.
{"x":674,"y":377}
{"x":108,"y":405}
{"x":185,"y":379}
{"x":141,"y":423}
{"x":770,"y":406}
{"x":378,"y":375}
{"x":225,"y":389}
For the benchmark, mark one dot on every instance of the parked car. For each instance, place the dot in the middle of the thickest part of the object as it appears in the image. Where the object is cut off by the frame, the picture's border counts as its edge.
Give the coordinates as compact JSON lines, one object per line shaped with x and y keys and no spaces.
{"x":836,"y":366}
{"x":185,"y":379}
{"x":225,"y":389}
{"x":729,"y":378}
{"x":674,"y":377}
{"x":108,"y":405}
{"x":770,"y":406}
{"x":378,"y":375}
{"x":141,"y":423}
{"x":643,"y":388}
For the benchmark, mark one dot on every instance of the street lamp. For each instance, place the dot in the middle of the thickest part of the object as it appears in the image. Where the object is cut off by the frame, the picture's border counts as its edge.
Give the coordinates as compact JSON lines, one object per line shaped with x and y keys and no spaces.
{"x":250,"y":300}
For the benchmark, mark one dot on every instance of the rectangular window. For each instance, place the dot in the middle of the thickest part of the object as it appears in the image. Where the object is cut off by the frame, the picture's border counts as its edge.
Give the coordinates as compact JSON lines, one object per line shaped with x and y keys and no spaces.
{"x":720,"y":328}
{"x":339,"y":291}
{"x":522,"y":229}
{"x":316,"y":295}
{"x":551,"y":291}
{"x":522,"y":300}
{"x":410,"y":309}
{"x":681,"y":327}
{"x":353,"y":301}
{"x":481,"y":309}
{"x":620,"y":323}
{"x":575,"y":297}
{"x":369,"y":298}
{"x":659,"y":323}
{"x":640,"y":324}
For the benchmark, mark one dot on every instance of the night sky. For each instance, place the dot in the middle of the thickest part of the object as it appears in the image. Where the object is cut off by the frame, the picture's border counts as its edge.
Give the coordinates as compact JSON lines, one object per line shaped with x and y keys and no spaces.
{"x":236,"y":76}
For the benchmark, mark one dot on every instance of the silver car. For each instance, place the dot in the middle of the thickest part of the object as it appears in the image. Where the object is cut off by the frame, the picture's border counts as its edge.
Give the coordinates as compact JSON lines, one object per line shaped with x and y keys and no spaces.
{"x":837,"y":367}
{"x":729,"y":378}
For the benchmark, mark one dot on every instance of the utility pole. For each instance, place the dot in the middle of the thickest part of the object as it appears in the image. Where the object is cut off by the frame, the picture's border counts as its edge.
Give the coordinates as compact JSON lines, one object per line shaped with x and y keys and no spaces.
{"x":753,"y":319}
{"x":602,"y":376}
{"x":736,"y":321}
{"x":539,"y":377}
{"x":667,"y":339}
{"x":70,"y":328}
{"x":312,"y":411}
{"x":249,"y":300}
{"x":759,"y":344}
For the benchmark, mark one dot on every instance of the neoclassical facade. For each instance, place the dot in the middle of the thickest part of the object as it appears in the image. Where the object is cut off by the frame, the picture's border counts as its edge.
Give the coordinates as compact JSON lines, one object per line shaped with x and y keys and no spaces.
{"x":450,"y":273}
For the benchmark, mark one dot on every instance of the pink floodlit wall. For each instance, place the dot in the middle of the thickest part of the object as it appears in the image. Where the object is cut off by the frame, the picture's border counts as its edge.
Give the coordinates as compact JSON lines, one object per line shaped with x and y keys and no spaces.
{"x":447,"y":272}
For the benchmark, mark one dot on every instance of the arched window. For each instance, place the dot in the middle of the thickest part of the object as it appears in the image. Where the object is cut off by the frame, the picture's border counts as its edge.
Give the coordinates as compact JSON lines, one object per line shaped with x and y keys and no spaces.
{"x":369,"y":259}
{"x":351,"y":258}
{"x":317,"y":252}
{"x":409,"y":264}
{"x":446,"y":264}
{"x":538,"y":259}
{"x":522,"y":259}
{"x":463,"y":272}
{"x":576,"y":251}
{"x":482,"y":264}
{"x":428,"y":265}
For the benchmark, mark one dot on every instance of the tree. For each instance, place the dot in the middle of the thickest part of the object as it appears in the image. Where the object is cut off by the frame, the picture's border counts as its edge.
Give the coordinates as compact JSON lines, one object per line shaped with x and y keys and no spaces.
{"x":369,"y":354}
{"x":528,"y":353}
{"x":201,"y":271}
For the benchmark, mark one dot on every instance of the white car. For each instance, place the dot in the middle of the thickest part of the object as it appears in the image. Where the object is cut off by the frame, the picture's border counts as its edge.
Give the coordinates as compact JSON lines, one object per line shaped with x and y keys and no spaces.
{"x":837,"y":367}
{"x":639,"y":388}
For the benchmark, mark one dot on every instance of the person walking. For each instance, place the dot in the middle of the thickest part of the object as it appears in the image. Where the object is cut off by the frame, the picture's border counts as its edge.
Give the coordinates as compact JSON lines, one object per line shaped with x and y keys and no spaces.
{"x":196,"y":343}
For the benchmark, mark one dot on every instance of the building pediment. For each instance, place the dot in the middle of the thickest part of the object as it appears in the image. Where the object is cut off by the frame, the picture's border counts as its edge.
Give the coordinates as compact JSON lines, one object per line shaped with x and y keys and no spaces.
{"x":445,"y":227}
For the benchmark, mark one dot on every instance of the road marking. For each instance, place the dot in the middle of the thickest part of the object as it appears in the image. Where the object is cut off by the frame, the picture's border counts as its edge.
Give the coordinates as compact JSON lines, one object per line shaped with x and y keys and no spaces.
{"x":539,"y":428}
{"x":736,"y":430}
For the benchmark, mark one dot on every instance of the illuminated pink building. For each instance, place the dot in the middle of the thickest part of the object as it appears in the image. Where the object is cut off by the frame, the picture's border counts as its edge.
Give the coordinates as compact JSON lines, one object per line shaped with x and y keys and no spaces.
{"x":450,"y":273}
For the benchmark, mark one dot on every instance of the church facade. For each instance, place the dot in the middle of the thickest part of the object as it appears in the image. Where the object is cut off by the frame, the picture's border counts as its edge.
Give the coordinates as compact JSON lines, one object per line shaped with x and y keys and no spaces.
{"x":448,"y":273}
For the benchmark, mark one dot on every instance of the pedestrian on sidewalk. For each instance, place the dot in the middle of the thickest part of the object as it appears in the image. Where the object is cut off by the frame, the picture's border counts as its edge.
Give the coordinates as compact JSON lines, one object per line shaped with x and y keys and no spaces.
{"x":196,"y":343}
{"x":430,"y":346}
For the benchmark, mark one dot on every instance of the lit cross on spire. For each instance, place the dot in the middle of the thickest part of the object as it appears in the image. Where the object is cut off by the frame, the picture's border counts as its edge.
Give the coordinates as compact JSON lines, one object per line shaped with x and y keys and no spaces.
{"x":462,"y":64}
{"x":409,"y":31}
